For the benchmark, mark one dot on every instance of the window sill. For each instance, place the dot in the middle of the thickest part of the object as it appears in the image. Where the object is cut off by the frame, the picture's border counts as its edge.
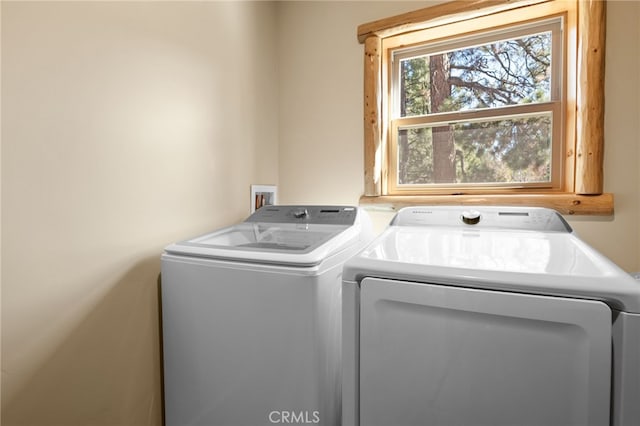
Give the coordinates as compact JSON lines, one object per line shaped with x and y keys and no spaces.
{"x":565,"y":203}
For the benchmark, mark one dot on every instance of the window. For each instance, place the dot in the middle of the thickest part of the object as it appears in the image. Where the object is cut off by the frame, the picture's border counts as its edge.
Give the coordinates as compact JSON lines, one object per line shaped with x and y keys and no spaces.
{"x":478,"y":111}
{"x":467,"y":105}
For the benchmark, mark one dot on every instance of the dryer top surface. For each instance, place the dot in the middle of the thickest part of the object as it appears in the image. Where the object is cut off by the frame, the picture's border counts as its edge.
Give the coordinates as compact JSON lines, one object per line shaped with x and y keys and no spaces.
{"x":536,"y":253}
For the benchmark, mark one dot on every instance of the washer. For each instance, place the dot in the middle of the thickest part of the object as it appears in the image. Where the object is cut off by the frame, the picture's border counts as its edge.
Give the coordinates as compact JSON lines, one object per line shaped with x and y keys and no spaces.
{"x":488,"y":316}
{"x":251,"y":318}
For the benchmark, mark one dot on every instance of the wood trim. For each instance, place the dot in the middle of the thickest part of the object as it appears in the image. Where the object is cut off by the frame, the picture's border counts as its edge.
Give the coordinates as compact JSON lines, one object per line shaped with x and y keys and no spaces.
{"x":446,"y":13}
{"x":372,"y":114}
{"x":590,"y":120}
{"x":567,"y":204}
{"x":570,"y":88}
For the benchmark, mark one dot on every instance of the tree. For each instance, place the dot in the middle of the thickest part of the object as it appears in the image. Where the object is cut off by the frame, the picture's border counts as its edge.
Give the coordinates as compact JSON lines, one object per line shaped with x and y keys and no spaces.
{"x":498,"y":74}
{"x":444,"y":170}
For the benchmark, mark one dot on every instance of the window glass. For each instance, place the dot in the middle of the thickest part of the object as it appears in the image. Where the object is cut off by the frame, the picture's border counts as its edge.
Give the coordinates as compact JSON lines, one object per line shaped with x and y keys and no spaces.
{"x":478,"y":110}
{"x":505,"y":72}
{"x":515,"y":150}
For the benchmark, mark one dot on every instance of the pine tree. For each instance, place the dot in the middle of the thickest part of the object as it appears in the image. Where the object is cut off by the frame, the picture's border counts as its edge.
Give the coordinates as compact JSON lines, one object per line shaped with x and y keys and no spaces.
{"x":494,"y":75}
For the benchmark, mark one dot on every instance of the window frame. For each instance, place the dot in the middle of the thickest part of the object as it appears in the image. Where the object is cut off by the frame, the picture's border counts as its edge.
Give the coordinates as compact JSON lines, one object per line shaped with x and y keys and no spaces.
{"x":580,"y":188}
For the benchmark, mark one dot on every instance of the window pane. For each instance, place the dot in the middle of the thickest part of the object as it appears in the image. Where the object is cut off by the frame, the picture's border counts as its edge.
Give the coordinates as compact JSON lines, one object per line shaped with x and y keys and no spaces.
{"x":497,"y":74}
{"x":509,"y":151}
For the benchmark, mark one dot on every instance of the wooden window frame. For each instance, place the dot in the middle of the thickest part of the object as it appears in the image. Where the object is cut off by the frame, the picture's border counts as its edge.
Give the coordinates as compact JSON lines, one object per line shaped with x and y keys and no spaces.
{"x":581,"y":191}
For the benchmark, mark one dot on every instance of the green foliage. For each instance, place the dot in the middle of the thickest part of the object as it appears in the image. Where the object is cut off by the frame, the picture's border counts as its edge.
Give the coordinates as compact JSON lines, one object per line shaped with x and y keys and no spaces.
{"x":500,"y":74}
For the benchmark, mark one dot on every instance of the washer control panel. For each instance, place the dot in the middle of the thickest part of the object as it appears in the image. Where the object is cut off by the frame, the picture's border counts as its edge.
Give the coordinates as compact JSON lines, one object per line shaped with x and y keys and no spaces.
{"x":323,"y":215}
{"x":478,"y":217}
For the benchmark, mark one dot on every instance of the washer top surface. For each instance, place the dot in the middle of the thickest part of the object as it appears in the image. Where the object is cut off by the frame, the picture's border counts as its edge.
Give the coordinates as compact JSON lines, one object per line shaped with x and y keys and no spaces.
{"x":513,"y":249}
{"x":288,"y":235}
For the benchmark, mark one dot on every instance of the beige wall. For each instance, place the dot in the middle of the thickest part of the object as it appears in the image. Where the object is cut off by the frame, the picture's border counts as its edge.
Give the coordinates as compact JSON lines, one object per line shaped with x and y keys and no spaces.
{"x":321,"y":142}
{"x":321,"y":133}
{"x":125,"y":126}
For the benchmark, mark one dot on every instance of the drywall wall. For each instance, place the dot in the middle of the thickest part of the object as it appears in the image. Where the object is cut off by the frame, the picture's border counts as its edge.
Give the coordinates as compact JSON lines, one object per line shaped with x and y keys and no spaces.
{"x":321,"y":68}
{"x":321,"y":154}
{"x":125,"y":126}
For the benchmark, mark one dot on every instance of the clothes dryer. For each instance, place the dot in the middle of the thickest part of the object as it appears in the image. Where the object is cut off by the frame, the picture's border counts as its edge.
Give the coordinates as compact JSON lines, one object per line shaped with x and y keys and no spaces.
{"x":251,"y":318}
{"x":488,"y":316}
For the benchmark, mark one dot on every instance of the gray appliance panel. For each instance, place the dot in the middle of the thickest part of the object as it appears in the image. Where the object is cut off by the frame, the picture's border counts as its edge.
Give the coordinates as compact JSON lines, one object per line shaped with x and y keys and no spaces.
{"x":320,"y":215}
{"x":438,"y":355}
{"x":249,"y":345}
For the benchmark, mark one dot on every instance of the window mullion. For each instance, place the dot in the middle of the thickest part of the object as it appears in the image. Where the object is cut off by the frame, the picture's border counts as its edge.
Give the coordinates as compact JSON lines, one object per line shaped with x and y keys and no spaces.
{"x":476,"y":115}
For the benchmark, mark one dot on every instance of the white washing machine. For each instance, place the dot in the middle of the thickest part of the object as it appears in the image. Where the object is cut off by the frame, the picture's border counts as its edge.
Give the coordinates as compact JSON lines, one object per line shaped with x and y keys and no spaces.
{"x":251,"y":318}
{"x":488,"y":316}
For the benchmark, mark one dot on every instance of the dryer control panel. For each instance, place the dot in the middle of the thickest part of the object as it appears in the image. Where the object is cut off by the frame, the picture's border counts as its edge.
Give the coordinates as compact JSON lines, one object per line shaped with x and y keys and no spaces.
{"x":479,"y":217}
{"x":320,"y":215}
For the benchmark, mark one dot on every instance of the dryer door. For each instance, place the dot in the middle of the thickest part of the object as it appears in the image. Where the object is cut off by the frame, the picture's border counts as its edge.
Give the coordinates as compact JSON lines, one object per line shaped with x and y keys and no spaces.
{"x":438,"y":355}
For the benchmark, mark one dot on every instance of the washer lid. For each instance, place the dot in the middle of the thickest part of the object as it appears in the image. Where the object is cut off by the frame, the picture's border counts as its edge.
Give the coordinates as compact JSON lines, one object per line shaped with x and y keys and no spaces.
{"x":304,"y":241}
{"x":537,"y":262}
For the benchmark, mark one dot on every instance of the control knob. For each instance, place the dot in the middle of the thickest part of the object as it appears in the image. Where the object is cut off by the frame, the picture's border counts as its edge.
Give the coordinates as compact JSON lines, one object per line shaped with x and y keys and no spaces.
{"x":471,"y":217}
{"x":300,"y":214}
